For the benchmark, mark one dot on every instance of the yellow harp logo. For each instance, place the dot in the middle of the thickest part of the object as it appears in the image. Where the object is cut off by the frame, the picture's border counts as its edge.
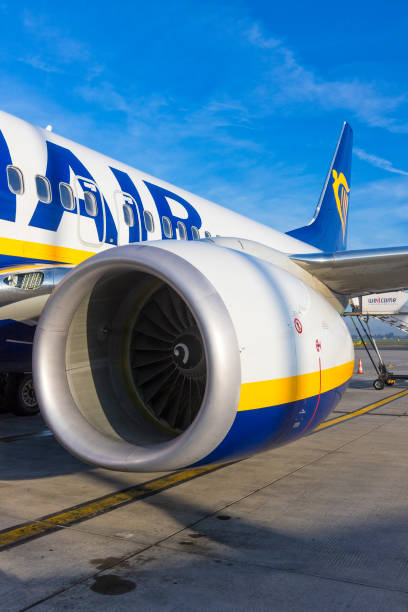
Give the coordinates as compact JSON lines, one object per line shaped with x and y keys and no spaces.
{"x":341,"y":193}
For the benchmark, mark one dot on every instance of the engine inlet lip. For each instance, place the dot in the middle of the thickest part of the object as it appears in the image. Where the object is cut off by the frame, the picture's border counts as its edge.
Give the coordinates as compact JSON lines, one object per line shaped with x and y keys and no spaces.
{"x":221,"y":352}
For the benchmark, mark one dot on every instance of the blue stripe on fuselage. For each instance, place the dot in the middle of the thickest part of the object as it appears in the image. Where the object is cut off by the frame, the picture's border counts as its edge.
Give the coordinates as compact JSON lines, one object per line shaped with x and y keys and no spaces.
{"x":7,"y":261}
{"x":257,"y":430}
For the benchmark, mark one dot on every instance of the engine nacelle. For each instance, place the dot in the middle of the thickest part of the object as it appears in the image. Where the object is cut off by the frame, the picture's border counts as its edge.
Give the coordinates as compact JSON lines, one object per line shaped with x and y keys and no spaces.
{"x":159,"y":356}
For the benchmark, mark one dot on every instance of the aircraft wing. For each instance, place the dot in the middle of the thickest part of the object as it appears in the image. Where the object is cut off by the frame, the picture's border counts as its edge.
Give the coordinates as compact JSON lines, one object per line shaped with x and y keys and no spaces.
{"x":359,"y":272}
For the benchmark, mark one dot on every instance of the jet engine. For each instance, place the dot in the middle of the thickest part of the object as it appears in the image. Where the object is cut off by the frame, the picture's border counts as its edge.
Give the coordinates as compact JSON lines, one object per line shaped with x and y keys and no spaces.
{"x":158,"y":356}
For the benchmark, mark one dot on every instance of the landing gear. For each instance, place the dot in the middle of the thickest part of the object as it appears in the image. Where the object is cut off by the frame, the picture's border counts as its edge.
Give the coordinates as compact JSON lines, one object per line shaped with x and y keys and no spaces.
{"x":378,"y":384}
{"x":17,"y":394}
{"x":26,"y":404}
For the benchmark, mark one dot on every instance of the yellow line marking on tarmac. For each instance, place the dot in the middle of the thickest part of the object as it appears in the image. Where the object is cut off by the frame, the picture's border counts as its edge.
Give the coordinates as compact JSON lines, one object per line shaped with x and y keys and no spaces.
{"x":47,"y":524}
{"x":360,"y":411}
{"x":87,"y":510}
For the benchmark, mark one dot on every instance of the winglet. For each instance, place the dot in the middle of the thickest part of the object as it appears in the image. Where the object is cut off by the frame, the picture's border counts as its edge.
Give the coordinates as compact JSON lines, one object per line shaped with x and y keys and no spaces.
{"x":328,"y":228}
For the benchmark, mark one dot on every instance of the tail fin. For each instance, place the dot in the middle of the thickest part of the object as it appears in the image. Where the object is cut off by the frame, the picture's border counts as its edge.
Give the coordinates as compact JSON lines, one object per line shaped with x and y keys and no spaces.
{"x":328,"y":228}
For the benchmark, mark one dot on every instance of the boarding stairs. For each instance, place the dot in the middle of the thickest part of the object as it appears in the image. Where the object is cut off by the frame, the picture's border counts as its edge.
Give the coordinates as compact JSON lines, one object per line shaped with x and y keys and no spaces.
{"x":399,"y":320}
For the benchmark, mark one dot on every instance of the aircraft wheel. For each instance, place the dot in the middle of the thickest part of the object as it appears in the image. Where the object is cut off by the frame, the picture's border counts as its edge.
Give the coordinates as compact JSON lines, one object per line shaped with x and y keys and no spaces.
{"x":26,"y":401}
{"x":378,"y":384}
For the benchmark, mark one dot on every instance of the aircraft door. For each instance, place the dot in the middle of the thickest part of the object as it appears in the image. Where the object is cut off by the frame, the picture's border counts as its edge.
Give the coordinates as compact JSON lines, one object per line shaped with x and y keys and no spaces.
{"x":91,"y":212}
{"x":128,"y":218}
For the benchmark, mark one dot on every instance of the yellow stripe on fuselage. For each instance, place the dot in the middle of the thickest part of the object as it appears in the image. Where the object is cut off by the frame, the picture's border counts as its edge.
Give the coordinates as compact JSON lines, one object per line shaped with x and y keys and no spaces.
{"x":30,"y":267}
{"x":37,"y":250}
{"x":285,"y":390}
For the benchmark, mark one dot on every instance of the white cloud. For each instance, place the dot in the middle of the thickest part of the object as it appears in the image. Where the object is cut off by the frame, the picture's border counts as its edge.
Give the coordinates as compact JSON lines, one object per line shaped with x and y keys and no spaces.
{"x":288,"y":83}
{"x":378,"y":162}
{"x":379,"y":213}
{"x":255,"y":36}
{"x":36,"y":62}
{"x":104,"y":94}
{"x":285,"y":86}
{"x":58,"y":50}
{"x":382,"y":192}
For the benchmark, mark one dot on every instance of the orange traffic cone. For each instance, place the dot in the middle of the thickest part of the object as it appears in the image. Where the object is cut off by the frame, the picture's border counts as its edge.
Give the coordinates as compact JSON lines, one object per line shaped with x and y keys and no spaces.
{"x":360,"y":367}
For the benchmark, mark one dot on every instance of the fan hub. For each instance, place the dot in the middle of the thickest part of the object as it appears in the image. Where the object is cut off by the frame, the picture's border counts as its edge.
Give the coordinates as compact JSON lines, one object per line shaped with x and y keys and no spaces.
{"x":168,"y":360}
{"x":187,"y":352}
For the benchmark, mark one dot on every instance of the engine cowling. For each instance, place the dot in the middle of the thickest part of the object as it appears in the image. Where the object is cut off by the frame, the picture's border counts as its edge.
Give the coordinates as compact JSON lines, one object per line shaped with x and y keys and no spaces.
{"x":163,"y":355}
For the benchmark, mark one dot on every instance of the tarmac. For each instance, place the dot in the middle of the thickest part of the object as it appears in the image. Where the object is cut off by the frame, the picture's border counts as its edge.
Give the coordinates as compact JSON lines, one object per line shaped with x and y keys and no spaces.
{"x":321,"y":524}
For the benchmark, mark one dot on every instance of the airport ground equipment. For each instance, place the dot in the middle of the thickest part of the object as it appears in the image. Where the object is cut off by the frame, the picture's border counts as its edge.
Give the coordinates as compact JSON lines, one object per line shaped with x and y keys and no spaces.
{"x":388,"y":308}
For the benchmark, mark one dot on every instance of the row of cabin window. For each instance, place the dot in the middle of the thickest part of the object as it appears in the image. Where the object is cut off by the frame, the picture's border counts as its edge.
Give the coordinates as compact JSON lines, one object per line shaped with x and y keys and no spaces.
{"x":168,"y":230}
{"x":16,"y":185}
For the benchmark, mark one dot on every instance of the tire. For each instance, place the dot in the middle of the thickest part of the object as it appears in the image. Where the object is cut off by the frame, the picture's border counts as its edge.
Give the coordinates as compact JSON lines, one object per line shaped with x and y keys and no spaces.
{"x":378,"y":384}
{"x":25,"y":401}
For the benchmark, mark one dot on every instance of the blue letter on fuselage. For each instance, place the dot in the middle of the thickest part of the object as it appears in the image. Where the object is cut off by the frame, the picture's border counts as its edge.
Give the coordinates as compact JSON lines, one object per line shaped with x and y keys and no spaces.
{"x":127,"y":185}
{"x":7,"y":199}
{"x":48,"y":216}
{"x":160,"y":196}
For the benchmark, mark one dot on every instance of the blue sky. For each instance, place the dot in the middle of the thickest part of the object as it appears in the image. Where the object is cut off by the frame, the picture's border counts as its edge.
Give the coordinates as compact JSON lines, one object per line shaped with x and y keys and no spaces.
{"x":239,"y":102}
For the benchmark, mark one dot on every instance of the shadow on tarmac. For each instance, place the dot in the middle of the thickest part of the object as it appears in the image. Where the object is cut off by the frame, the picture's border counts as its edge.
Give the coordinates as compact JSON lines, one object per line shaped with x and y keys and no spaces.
{"x":33,"y":458}
{"x":305,"y":531}
{"x":229,"y":557}
{"x":361,"y":384}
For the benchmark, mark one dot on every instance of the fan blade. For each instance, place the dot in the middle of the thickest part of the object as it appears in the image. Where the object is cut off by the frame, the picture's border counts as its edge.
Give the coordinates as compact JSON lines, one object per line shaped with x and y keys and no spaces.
{"x":180,"y":309}
{"x":140,"y":341}
{"x":167,"y":304}
{"x":150,"y":328}
{"x":151,"y":388}
{"x":145,"y":373}
{"x":161,"y":316}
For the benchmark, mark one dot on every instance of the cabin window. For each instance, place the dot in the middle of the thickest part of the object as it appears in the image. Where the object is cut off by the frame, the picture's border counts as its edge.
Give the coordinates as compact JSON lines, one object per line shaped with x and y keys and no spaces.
{"x":67,"y":196}
{"x":148,"y":221}
{"x":15,"y":180}
{"x":43,"y":189}
{"x":207,"y":234}
{"x":91,"y":206}
{"x":128,"y":215}
{"x":195,"y":233}
{"x":182,"y":230}
{"x":167,"y":227}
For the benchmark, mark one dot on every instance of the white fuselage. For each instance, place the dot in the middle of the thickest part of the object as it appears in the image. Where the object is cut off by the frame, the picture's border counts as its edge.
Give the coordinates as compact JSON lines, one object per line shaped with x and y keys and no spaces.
{"x":76,"y":234}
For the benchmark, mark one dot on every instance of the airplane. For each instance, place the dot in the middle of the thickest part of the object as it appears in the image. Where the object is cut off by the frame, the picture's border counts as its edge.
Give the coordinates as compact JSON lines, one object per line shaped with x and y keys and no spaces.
{"x":162,"y":330}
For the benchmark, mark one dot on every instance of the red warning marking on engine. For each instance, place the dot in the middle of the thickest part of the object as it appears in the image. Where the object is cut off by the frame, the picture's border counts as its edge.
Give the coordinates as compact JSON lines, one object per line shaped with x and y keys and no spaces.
{"x":298,"y":326}
{"x":318,"y":345}
{"x":318,"y":399}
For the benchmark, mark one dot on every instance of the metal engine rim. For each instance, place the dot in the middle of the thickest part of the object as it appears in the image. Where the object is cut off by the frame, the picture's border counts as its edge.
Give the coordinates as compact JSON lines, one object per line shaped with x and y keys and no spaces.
{"x":222,"y":357}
